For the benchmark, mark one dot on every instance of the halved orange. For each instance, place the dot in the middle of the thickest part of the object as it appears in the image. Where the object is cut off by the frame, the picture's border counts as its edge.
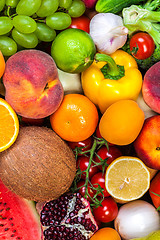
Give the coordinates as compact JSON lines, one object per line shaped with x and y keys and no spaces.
{"x":127,"y":178}
{"x":9,"y":125}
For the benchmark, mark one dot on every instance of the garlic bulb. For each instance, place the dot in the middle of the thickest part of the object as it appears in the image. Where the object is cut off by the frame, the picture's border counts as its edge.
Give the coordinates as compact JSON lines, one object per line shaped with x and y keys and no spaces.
{"x":108,"y":32}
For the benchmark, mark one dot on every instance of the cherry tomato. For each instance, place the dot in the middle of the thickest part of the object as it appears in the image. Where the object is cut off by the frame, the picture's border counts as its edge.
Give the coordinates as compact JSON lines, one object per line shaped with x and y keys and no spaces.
{"x":82,"y":163}
{"x":81,"y":22}
{"x":98,"y":135}
{"x":84,"y":145}
{"x":142,"y":45}
{"x":82,"y":190}
{"x":99,"y":178}
{"x":109,"y":155}
{"x":155,"y":188}
{"x":98,"y":132}
{"x":107,"y":212}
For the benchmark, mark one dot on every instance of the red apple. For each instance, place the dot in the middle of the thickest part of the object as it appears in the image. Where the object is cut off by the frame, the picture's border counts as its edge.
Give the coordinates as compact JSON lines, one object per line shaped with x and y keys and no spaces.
{"x":31,"y":82}
{"x":151,"y":87}
{"x":147,"y":144}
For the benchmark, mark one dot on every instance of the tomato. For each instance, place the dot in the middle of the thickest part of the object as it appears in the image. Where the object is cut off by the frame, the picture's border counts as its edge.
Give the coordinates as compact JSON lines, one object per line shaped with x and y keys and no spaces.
{"x":142,"y":45}
{"x":107,"y":212}
{"x":155,"y":188}
{"x":107,"y":154}
{"x":98,"y":135}
{"x":82,"y":190}
{"x":99,"y":178}
{"x":81,"y":22}
{"x":82,"y":163}
{"x":83,"y":145}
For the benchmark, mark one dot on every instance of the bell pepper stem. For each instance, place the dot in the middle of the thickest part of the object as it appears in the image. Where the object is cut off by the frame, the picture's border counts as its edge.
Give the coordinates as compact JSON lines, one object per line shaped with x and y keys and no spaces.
{"x":113,"y":69}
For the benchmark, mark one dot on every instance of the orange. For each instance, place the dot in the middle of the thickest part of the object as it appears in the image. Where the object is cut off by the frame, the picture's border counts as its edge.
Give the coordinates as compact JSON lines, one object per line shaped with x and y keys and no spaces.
{"x":9,"y":125}
{"x":127,"y":179}
{"x":76,"y":119}
{"x":2,"y":64}
{"x":121,"y":122}
{"x":106,"y":233}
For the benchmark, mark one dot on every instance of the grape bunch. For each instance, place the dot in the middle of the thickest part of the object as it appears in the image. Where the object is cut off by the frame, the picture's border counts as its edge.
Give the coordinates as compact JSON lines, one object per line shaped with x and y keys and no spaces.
{"x":26,"y":23}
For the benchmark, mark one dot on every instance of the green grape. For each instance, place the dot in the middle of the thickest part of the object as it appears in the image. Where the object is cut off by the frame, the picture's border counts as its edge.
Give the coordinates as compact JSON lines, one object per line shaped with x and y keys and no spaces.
{"x":8,"y":46}
{"x":58,"y":20}
{"x":45,"y":33}
{"x":29,"y":40}
{"x":65,"y":3}
{"x":5,"y":25}
{"x":2,"y":3}
{"x":77,"y":8}
{"x":24,"y":24}
{"x":12,"y":3}
{"x":28,"y":7}
{"x":47,"y":8}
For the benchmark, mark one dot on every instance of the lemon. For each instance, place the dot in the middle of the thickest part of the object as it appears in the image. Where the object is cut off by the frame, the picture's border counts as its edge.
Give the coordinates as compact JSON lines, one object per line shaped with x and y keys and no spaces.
{"x":73,"y":50}
{"x":127,"y":178}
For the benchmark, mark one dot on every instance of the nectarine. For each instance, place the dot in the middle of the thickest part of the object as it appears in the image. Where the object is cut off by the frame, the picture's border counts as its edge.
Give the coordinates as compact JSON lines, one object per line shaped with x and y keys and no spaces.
{"x":151,"y":87}
{"x":32,"y":85}
{"x":147,"y":144}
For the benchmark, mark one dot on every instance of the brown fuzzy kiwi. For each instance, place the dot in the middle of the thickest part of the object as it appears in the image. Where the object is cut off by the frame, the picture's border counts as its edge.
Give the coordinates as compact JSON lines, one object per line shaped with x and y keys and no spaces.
{"x":39,"y":166}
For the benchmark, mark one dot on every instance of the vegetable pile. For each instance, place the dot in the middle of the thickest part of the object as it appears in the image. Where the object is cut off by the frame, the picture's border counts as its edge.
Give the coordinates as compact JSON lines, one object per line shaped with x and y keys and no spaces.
{"x":80,"y":119}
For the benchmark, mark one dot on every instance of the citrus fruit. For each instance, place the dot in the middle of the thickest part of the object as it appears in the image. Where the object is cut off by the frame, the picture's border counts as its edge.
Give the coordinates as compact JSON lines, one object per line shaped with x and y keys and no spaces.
{"x":121,"y":122}
{"x":73,"y":50}
{"x":2,"y":64}
{"x":76,"y":119}
{"x":127,"y":178}
{"x":9,"y":125}
{"x":106,"y":233}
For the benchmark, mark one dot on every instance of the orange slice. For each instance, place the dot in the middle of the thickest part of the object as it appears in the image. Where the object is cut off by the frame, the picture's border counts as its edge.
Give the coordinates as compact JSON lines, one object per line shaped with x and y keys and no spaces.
{"x":127,"y":178}
{"x":9,"y":125}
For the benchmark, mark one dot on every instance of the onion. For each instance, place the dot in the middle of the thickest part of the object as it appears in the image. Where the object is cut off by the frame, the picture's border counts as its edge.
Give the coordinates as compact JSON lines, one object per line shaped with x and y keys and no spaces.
{"x":71,"y":82}
{"x":137,"y":219}
{"x":108,"y":32}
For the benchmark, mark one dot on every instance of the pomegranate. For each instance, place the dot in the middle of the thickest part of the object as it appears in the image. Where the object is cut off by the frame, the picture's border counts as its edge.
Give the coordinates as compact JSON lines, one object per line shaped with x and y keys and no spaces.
{"x":68,"y":217}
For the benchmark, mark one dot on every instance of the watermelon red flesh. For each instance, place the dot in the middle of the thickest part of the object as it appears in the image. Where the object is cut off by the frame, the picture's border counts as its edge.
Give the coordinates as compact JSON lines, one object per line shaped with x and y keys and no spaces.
{"x":18,"y":217}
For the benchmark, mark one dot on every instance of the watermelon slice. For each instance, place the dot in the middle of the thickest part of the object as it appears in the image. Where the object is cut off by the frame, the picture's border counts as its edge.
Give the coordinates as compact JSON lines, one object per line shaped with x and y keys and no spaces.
{"x":19,"y":219}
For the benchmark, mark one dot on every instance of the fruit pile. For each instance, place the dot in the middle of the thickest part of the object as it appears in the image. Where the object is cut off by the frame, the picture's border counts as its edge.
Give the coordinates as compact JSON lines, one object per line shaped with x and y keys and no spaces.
{"x":79,"y":120}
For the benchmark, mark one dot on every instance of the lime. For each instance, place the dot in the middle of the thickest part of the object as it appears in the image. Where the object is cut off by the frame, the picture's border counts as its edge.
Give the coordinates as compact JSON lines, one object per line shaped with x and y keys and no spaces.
{"x":73,"y":50}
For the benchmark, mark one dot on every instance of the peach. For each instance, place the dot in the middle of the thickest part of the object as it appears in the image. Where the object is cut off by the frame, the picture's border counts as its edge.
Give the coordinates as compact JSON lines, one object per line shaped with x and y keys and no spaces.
{"x":151,"y":87}
{"x":147,"y":144}
{"x":32,"y":86}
